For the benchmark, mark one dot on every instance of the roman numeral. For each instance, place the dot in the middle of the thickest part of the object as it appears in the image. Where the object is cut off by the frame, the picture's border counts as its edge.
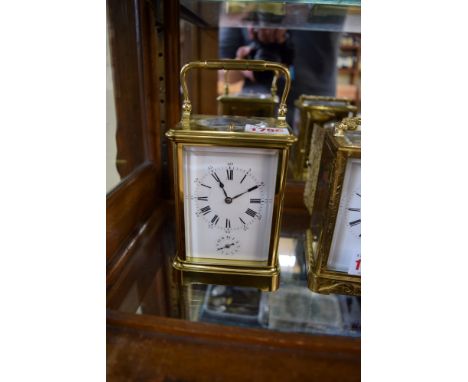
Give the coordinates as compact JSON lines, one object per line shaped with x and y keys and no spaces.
{"x":229,"y":173}
{"x":255,"y":200}
{"x":204,"y":185}
{"x":228,"y":223}
{"x":214,"y":175}
{"x":243,"y":222}
{"x":243,"y":178}
{"x":354,"y":209}
{"x":205,"y":210}
{"x":251,"y":212}
{"x":204,"y":198}
{"x":355,"y":222}
{"x":215,"y":220}
{"x":252,"y":188}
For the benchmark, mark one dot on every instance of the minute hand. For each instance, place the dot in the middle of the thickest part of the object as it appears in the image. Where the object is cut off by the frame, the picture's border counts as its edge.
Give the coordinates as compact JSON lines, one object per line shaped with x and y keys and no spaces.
{"x":250,"y":189}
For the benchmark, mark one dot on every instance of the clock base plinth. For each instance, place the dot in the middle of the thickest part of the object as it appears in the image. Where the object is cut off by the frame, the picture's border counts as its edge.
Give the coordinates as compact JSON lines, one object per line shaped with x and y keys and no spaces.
{"x":264,"y":278}
{"x":326,"y":282}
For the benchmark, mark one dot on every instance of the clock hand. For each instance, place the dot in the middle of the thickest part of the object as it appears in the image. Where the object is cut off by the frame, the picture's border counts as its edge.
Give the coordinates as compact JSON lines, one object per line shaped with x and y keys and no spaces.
{"x":250,"y":189}
{"x":355,"y":222}
{"x":225,"y":246}
{"x":215,"y":176}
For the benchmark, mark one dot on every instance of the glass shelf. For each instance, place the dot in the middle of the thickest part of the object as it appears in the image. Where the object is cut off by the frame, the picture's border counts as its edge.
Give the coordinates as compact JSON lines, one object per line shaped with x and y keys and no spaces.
{"x":320,"y":15}
{"x":356,"y":3}
{"x":292,"y":308}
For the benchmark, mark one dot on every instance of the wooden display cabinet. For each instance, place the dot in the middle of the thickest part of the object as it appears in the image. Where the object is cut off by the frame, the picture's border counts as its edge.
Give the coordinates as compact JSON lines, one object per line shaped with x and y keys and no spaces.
{"x":149,"y":337}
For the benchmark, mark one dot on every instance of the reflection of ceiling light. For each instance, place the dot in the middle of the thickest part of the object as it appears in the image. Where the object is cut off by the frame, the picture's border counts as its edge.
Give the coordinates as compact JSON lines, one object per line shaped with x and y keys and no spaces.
{"x":287,"y":260}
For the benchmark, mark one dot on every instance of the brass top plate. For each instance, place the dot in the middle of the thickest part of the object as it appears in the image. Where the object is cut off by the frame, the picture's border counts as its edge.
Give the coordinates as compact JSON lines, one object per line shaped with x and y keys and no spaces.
{"x":230,"y":130}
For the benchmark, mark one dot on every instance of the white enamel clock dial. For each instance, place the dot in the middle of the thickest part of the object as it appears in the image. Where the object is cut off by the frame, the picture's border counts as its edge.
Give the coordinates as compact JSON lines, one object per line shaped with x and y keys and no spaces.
{"x":228,"y":207}
{"x":345,"y":251}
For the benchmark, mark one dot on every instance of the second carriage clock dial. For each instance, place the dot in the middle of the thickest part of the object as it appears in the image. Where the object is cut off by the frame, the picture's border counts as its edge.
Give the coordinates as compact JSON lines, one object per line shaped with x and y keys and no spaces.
{"x":230,"y":178}
{"x":346,"y":242}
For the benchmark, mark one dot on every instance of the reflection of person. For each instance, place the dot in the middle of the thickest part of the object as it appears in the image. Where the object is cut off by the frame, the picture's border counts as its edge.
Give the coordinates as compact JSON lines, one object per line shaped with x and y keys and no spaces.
{"x":258,"y":44}
{"x":310,"y":55}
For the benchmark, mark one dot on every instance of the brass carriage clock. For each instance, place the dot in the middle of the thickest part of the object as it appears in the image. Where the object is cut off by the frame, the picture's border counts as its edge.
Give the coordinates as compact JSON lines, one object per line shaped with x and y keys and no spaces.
{"x":230,"y":174}
{"x":248,"y":104}
{"x":313,"y":112}
{"x":313,"y":164}
{"x":334,"y":237}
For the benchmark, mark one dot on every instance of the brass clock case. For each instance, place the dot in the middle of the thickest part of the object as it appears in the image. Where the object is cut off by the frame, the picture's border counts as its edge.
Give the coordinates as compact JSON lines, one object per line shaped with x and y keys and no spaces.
{"x":229,"y":131}
{"x":315,"y":154}
{"x":339,"y":146}
{"x":314,"y":112}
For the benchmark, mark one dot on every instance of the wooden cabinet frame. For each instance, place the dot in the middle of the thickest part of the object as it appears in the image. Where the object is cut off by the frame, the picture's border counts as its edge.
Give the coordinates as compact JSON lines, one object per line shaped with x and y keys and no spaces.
{"x":145,"y":77}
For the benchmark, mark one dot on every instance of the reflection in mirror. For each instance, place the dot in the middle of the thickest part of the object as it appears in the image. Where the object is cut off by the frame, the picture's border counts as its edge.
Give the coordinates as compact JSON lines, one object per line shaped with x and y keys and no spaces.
{"x":321,"y":63}
{"x":112,"y":176}
{"x":320,"y":44}
{"x":318,"y":17}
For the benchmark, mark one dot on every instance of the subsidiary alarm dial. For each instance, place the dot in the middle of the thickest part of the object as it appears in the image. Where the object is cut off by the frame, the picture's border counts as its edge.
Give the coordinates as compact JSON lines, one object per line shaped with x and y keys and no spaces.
{"x":227,"y":245}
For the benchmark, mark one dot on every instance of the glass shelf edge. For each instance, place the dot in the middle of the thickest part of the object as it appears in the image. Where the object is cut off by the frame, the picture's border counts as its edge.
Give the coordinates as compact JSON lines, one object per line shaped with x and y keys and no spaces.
{"x":353,"y":3}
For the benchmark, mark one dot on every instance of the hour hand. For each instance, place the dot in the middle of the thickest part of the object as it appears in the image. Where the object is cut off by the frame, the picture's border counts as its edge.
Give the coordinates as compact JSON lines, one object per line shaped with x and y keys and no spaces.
{"x":225,"y":246}
{"x":216,"y":177}
{"x":250,"y":189}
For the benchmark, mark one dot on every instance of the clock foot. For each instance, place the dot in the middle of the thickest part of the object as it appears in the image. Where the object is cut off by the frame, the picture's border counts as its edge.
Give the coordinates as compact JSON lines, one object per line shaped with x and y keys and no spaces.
{"x":324,"y":281}
{"x":263,"y":278}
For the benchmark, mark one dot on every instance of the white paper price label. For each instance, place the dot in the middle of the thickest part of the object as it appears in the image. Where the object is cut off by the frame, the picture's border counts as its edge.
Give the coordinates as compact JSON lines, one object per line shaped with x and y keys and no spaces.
{"x":266,"y":130}
{"x":355,"y":265}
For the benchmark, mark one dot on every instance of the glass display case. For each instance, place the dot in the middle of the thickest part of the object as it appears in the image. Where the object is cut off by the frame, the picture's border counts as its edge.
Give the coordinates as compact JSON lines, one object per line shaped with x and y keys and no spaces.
{"x":320,"y":15}
{"x":158,"y":329}
{"x":293,"y":308}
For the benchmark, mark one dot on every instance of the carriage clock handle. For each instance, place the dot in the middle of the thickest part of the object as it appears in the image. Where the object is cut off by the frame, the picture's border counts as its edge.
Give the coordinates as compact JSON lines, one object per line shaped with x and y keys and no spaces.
{"x":229,"y":64}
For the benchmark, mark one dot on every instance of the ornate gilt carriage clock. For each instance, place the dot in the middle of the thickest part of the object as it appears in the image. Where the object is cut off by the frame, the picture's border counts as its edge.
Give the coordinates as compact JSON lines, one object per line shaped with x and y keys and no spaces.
{"x":334,"y":237}
{"x":313,"y":112}
{"x":248,"y":104}
{"x":230,"y":174}
{"x":313,"y":164}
